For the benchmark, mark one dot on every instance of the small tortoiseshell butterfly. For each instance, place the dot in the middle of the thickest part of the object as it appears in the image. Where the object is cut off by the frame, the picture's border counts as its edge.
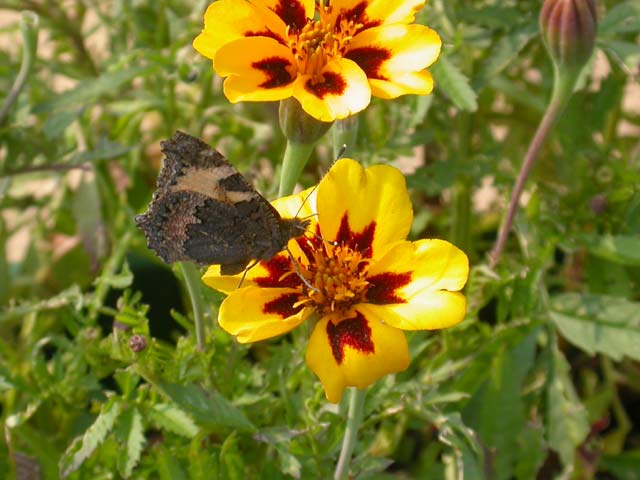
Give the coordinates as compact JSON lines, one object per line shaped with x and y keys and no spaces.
{"x":204,"y":211}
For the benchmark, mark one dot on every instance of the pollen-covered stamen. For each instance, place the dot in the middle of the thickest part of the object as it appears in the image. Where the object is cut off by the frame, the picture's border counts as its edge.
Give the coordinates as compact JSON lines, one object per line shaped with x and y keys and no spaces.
{"x":318,"y":42}
{"x":338,"y":274}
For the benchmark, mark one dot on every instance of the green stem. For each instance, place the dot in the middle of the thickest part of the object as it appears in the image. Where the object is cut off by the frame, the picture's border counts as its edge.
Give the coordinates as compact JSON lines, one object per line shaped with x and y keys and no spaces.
{"x":564,"y":83}
{"x":354,"y":418}
{"x":344,"y":133}
{"x":29,"y":28}
{"x":192,"y":280}
{"x":295,"y":158}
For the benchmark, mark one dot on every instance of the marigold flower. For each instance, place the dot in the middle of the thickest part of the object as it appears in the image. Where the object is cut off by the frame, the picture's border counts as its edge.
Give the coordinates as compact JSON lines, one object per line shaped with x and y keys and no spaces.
{"x":369,"y":283}
{"x":275,"y":49}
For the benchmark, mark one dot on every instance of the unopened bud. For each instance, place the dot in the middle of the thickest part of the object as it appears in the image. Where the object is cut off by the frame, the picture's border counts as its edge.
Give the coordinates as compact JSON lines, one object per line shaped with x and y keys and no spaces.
{"x":569,"y":30}
{"x":298,"y":126}
{"x":137,"y":343}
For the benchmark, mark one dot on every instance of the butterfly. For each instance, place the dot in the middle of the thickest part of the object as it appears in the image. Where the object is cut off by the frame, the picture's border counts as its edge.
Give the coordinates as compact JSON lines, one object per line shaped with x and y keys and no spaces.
{"x":206,"y":212}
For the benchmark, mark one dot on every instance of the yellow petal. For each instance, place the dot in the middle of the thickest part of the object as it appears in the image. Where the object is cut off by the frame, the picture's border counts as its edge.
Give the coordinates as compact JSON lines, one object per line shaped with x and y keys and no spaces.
{"x":386,"y":51}
{"x":376,"y":12}
{"x":343,"y":91}
{"x":229,"y":20}
{"x":293,"y":13}
{"x":355,"y":352}
{"x":369,"y":206}
{"x":418,"y":83}
{"x":430,"y":299}
{"x":255,"y":313}
{"x":429,"y":310}
{"x":258,"y":69}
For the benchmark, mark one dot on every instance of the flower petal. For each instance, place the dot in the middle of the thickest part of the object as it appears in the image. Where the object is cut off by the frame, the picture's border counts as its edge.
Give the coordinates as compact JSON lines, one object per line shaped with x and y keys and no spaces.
{"x":294,"y":13}
{"x":430,"y":300}
{"x":255,"y":313}
{"x":386,"y":51}
{"x":258,"y":69}
{"x":375,"y":12}
{"x":364,"y":208}
{"x":343,"y":91}
{"x":418,"y":83}
{"x":229,"y":20}
{"x":355,"y":352}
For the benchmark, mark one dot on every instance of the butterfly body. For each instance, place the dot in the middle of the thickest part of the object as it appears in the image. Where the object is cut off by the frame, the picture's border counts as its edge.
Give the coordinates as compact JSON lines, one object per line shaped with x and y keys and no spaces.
{"x":204,"y":211}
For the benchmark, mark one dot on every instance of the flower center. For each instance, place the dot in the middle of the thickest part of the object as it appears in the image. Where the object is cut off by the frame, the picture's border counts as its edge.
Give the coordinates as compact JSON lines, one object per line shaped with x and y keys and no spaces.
{"x":318,"y":42}
{"x":338,"y":275}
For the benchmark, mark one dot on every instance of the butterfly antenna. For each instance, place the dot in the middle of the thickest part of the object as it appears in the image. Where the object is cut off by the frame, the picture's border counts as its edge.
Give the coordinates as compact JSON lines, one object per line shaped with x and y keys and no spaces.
{"x":297,"y":269}
{"x":341,"y":152}
{"x":244,"y":274}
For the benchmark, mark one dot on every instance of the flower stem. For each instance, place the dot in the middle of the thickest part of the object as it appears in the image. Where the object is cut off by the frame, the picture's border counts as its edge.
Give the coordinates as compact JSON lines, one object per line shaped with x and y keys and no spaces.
{"x":563,"y":88}
{"x":192,"y":280}
{"x":29,"y":27}
{"x":354,"y":417}
{"x":295,"y":158}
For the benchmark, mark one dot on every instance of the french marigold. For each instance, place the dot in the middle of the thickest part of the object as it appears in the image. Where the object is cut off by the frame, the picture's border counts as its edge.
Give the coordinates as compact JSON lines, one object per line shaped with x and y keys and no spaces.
{"x":362,"y":280}
{"x":275,"y":49}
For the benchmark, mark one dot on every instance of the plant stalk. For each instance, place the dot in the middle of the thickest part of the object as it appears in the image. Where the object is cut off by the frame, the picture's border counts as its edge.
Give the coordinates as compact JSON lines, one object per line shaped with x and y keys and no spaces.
{"x":295,"y":158}
{"x":192,"y":280}
{"x":354,"y":418}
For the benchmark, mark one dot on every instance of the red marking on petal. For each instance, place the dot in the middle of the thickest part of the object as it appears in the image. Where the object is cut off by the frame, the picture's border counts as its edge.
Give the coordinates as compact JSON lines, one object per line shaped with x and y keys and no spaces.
{"x":283,"y":305}
{"x":354,"y":332}
{"x":276,"y":268}
{"x":332,"y":83}
{"x":276,"y":70}
{"x":357,"y":14}
{"x":292,"y":13}
{"x":370,"y":60}
{"x":308,"y":244}
{"x":362,"y":241}
{"x":382,"y":289}
{"x":266,"y":33}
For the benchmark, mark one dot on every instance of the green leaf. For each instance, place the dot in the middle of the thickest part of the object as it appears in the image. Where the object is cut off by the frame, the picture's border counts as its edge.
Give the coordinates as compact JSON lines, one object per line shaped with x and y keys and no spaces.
{"x":90,"y":90}
{"x":56,"y":124}
{"x":133,"y":440}
{"x":466,"y":460}
{"x":623,"y":249}
{"x":598,"y":323}
{"x":454,"y":84}
{"x":231,"y":459}
{"x":623,"y":18}
{"x":500,"y":428}
{"x":567,"y":424}
{"x":82,"y":448}
{"x":171,"y":418}
{"x":623,"y":466}
{"x":208,"y":408}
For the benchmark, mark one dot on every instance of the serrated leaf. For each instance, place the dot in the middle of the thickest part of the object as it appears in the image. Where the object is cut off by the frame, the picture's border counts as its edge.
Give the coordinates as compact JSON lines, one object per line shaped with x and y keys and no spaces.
{"x":134,"y":440}
{"x":82,"y":448}
{"x":454,"y":84}
{"x":566,"y":418}
{"x":173,"y":419}
{"x":208,"y":408}
{"x":598,"y":323}
{"x":88,"y":91}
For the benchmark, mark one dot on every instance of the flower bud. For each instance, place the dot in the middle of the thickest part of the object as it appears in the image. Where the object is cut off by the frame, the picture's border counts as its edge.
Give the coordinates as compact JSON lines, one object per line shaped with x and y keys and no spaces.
{"x":137,"y":343}
{"x":298,"y":126}
{"x":569,"y":30}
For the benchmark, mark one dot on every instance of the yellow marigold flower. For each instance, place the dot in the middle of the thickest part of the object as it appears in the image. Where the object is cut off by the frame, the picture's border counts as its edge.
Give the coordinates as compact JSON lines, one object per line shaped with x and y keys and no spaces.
{"x":275,"y":49}
{"x":369,"y":283}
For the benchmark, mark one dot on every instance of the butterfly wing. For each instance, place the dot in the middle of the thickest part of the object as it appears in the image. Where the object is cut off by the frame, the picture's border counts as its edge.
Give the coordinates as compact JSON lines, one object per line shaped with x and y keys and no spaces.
{"x":204,"y":211}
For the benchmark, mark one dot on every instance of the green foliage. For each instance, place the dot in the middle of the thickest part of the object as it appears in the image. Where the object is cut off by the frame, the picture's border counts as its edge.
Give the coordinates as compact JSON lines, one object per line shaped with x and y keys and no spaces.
{"x":539,"y":381}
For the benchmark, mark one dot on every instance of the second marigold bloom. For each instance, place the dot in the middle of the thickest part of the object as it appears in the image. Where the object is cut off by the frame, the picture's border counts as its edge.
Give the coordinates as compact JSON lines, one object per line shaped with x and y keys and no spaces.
{"x":275,"y":49}
{"x":364,"y":282}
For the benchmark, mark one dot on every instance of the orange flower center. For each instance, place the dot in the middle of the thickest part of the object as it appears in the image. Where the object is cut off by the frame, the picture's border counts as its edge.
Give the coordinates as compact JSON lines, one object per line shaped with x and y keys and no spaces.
{"x":338,"y":277}
{"x":318,"y":42}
